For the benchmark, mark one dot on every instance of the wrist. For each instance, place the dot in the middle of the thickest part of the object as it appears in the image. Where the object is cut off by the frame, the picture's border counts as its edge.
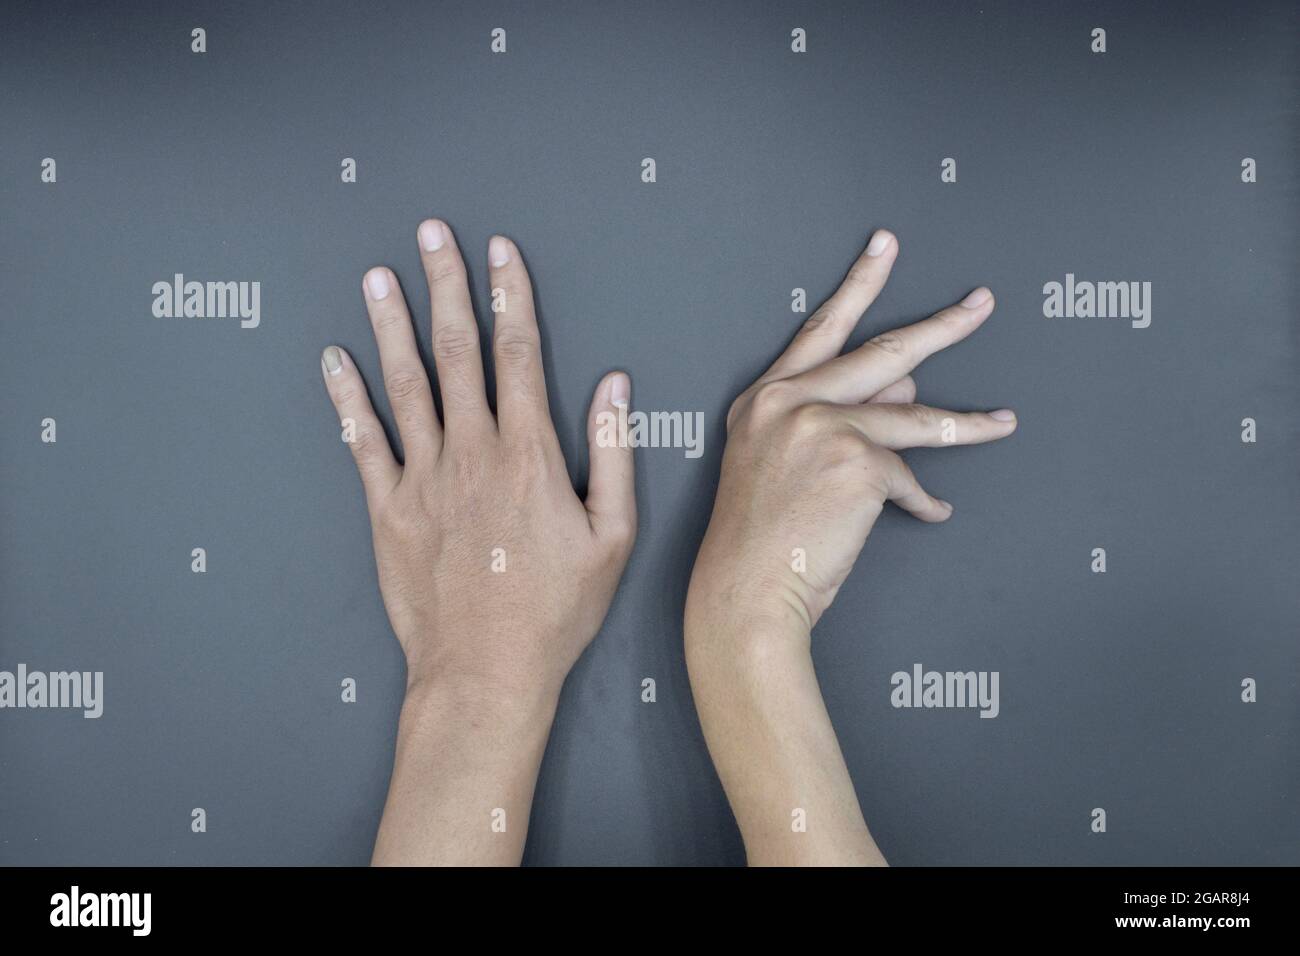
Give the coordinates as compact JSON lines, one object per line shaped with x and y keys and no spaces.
{"x":735,"y":605}
{"x":746,"y":581}
{"x":480,"y":667}
{"x":447,"y":698}
{"x":729,"y":638}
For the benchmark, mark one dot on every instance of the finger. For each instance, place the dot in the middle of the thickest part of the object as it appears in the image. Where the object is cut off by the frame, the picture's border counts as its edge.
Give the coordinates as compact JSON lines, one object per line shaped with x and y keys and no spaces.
{"x":853,"y":377}
{"x":405,"y":380}
{"x":516,"y":343}
{"x":920,"y":426}
{"x":375,"y":462}
{"x":903,"y":392}
{"x":611,"y":495}
{"x":902,"y":488}
{"x":456,"y":350}
{"x":827,"y":329}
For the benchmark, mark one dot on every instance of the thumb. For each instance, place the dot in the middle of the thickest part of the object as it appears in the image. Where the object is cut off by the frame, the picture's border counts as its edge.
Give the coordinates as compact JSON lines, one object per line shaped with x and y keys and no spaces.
{"x":611,"y":493}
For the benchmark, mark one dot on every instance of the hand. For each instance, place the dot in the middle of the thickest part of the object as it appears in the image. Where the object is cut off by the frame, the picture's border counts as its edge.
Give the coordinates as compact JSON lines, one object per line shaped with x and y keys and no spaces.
{"x":811,"y":454}
{"x":491,"y":568}
{"x":811,"y":459}
{"x":494,"y":574}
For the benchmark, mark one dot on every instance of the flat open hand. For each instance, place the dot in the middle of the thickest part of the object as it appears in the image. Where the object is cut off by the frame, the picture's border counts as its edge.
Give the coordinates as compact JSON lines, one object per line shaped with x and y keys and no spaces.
{"x":492,"y":570}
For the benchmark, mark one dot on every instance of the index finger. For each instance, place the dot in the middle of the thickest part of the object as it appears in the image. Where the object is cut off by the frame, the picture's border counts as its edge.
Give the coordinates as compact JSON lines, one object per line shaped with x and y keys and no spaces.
{"x":827,"y":329}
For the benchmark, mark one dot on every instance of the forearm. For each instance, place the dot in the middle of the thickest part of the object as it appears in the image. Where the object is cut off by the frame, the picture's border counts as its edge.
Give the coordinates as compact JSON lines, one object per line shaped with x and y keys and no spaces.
{"x":463,"y":776}
{"x":772,"y":742}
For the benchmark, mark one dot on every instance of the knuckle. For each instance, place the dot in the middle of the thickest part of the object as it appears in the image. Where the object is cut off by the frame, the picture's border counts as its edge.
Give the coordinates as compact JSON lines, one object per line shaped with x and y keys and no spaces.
{"x":734,"y":410}
{"x":773,"y":398}
{"x":845,"y":457}
{"x":516,"y":349}
{"x":921,"y":414}
{"x":809,"y":420}
{"x":405,"y":384}
{"x":509,"y":291}
{"x":365,"y":443}
{"x":848,"y":447}
{"x":821,"y":322}
{"x":451,"y":343}
{"x":742,"y":405}
{"x":443,"y":268}
{"x":952,"y":317}
{"x":387,"y":319}
{"x":346,"y":396}
{"x":889,"y":343}
{"x":811,"y":423}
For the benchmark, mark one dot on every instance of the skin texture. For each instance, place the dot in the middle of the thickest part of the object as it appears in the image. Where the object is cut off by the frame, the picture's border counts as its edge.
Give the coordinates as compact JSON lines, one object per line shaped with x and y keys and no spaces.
{"x":811,"y":459}
{"x":495,"y":575}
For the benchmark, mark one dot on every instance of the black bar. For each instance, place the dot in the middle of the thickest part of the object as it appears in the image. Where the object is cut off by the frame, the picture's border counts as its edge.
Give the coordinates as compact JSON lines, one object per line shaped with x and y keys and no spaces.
{"x":462,"y":908}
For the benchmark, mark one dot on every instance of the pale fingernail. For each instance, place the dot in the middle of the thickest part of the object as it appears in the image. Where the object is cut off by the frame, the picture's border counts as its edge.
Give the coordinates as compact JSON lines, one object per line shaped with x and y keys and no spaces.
{"x":880,"y":241}
{"x":1003,"y":415}
{"x":431,"y":236}
{"x":377,"y":283}
{"x":620,"y":390}
{"x":333,"y":360}
{"x":976,"y":298}
{"x":498,"y":251}
{"x":946,"y":504}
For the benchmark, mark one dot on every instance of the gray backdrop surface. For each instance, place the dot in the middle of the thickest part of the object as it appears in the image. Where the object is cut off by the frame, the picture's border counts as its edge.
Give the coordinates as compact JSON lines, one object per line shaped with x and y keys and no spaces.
{"x":1120,"y":690}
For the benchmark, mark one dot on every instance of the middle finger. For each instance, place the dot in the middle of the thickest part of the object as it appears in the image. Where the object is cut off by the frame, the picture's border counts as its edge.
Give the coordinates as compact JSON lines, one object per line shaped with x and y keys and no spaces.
{"x":856,"y":376}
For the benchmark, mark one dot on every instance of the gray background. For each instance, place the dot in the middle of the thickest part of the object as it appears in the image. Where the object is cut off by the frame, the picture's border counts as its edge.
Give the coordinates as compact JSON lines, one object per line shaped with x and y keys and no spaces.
{"x":222,"y":690}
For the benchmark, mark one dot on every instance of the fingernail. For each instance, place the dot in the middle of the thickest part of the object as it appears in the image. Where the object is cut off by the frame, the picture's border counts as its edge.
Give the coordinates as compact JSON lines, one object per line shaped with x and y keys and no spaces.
{"x":498,"y":251}
{"x":946,"y":504}
{"x":976,"y":298}
{"x":377,"y":282}
{"x":1003,"y":415}
{"x":880,"y":241}
{"x":431,"y":236}
{"x":620,"y":389}
{"x":333,"y":360}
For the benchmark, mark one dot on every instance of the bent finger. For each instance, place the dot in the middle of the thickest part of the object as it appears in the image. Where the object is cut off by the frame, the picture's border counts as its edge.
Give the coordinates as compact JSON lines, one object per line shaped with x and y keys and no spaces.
{"x":902,"y":488}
